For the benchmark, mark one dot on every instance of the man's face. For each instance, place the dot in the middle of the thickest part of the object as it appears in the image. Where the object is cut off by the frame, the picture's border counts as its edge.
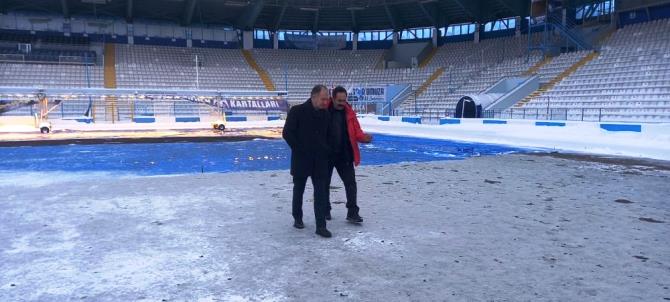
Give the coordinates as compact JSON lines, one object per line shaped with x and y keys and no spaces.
{"x":340,"y":100}
{"x":320,"y":100}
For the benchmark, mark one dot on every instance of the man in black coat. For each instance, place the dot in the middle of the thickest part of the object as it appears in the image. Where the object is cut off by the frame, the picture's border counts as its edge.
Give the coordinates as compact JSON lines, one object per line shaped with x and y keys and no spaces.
{"x":306,"y":132}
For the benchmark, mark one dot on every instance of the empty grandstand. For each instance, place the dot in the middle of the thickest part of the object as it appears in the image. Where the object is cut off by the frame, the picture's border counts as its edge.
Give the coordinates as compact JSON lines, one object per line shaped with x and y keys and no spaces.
{"x":448,"y":62}
{"x":628,"y":81}
{"x":184,"y":68}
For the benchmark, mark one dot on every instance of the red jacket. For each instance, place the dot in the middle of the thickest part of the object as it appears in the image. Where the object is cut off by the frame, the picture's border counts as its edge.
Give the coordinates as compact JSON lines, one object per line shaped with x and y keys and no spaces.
{"x":356,"y":134}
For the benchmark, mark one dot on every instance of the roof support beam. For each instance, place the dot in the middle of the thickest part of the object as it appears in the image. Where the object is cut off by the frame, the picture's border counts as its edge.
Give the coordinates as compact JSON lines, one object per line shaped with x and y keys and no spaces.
{"x":65,"y":8}
{"x":392,"y":17}
{"x":514,"y":11}
{"x":247,"y":20}
{"x":440,"y":16}
{"x":189,"y":9}
{"x":354,"y":22}
{"x":129,"y":11}
{"x":516,"y":8}
{"x":471,"y":7}
{"x":281,"y":15}
{"x":427,"y":12}
{"x":315,"y":28}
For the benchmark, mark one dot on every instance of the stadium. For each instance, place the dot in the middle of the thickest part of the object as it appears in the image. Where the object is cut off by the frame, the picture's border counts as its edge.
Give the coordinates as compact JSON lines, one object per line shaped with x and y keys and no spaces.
{"x":510,"y":150}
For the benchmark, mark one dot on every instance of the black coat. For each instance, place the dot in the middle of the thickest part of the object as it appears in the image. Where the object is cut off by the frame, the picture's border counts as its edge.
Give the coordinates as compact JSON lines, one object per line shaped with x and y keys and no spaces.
{"x":338,"y":136}
{"x":306,"y":132}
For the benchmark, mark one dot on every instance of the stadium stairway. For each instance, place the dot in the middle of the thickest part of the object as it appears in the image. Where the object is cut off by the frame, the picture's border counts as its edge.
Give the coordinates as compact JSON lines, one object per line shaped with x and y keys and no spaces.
{"x":262,"y":73}
{"x":566,"y":73}
{"x":110,"y":82}
{"x":110,"y":66}
{"x":606,"y":37}
{"x":535,"y":68}
{"x":381,"y":60}
{"x":436,"y":74}
{"x":428,"y":58}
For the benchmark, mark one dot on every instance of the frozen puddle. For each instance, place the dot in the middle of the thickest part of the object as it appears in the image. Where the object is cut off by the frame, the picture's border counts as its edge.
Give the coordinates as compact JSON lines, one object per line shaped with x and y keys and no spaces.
{"x":194,"y":157}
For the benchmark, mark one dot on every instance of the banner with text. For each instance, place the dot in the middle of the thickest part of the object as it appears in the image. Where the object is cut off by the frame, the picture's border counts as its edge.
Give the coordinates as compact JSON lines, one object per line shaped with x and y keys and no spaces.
{"x":261,"y":105}
{"x":368,"y":94}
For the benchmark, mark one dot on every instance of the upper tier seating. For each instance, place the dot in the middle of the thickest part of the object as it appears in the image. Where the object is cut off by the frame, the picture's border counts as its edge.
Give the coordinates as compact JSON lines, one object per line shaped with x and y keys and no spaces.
{"x":630,"y":80}
{"x":175,"y":67}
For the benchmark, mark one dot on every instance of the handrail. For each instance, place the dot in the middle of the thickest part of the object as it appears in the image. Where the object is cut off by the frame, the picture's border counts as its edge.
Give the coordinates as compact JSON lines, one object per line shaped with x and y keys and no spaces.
{"x":401,"y":95}
{"x":515,"y":89}
{"x":564,"y":114}
{"x":555,"y":22}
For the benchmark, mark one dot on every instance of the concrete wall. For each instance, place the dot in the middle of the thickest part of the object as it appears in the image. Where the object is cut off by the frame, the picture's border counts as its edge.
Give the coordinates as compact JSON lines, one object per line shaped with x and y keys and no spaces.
{"x":248,"y":39}
{"x":622,"y":5}
{"x":403,"y":53}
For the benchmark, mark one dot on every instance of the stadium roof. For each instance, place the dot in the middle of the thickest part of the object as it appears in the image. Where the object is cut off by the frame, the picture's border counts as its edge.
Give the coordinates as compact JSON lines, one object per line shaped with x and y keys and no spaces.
{"x":315,"y":15}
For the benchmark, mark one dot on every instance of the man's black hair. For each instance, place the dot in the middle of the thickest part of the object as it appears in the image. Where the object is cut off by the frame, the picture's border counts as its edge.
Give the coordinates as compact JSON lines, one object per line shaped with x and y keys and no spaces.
{"x":339,"y":89}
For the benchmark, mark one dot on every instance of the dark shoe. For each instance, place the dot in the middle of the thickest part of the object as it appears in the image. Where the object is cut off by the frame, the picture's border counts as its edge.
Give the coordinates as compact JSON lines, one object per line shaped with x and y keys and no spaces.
{"x":355,"y":218}
{"x":323,"y":232}
{"x":328,"y":217}
{"x":298,"y":224}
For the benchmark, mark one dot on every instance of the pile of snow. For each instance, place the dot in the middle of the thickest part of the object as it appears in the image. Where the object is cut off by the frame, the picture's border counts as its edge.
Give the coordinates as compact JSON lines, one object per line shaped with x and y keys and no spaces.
{"x":126,"y":126}
{"x":652,"y":142}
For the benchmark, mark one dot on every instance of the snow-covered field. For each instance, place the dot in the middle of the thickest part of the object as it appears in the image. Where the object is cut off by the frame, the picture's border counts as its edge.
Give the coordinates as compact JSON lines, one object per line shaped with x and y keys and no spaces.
{"x":585,"y":137}
{"x":75,"y":126}
{"x":499,"y":228}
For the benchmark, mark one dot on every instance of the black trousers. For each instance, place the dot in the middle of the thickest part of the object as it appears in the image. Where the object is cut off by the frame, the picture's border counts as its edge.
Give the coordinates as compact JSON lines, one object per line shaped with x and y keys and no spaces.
{"x":320,"y":198}
{"x":347,"y":174}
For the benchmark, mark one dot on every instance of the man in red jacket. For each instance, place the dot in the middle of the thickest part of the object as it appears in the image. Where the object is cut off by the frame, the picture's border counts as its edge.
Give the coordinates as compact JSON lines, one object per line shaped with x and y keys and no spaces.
{"x":343,"y":137}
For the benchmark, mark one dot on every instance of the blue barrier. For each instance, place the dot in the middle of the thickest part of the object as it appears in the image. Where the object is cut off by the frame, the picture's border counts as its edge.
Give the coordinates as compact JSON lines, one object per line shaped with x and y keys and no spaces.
{"x":449,"y":121}
{"x":189,"y":119}
{"x":622,"y":127}
{"x":413,"y":120}
{"x":550,"y":124}
{"x":239,"y":118}
{"x":87,"y":120}
{"x":498,"y":122}
{"x":384,"y":118}
{"x":144,"y":119}
{"x":273,"y":117}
